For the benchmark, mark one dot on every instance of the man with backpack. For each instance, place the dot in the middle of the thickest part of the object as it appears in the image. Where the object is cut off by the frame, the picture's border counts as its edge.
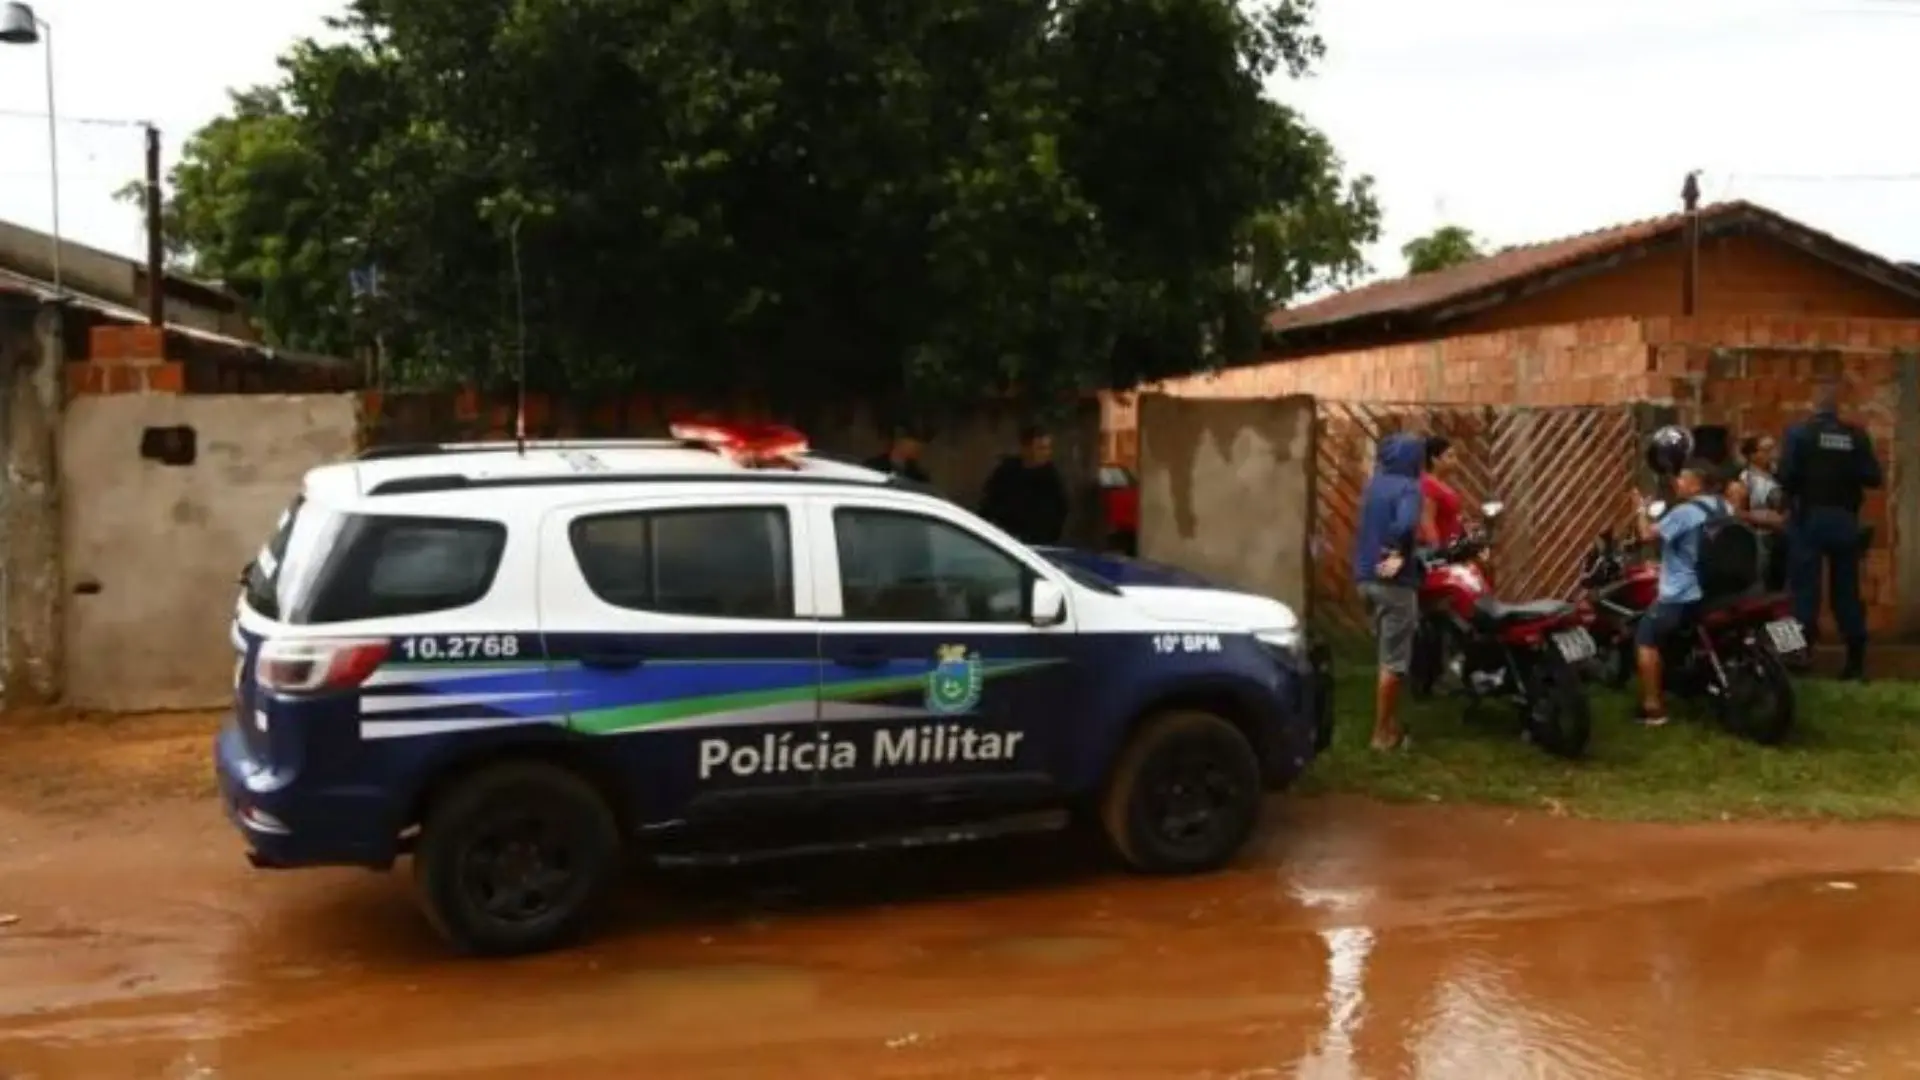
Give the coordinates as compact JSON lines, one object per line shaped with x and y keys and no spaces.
{"x":1706,"y":552}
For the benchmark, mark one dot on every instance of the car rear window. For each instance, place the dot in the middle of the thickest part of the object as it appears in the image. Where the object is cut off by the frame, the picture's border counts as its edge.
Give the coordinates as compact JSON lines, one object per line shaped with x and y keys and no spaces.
{"x":722,"y":562}
{"x":323,"y":566}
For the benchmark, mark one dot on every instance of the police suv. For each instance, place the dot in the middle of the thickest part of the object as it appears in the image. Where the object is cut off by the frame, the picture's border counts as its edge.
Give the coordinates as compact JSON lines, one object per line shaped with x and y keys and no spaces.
{"x":520,"y":661}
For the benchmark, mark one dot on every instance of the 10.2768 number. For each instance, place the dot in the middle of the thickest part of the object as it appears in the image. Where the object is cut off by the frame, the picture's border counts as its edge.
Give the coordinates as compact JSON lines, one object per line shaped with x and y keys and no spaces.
{"x":460,"y":647}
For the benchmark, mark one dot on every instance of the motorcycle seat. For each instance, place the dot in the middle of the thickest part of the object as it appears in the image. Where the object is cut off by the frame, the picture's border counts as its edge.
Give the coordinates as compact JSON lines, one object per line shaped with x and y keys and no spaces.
{"x":1493,"y":611}
{"x":1753,"y":597}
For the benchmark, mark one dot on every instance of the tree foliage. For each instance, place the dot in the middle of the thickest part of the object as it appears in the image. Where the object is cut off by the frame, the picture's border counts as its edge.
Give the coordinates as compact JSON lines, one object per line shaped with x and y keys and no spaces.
{"x":780,"y":194}
{"x":1448,"y":245}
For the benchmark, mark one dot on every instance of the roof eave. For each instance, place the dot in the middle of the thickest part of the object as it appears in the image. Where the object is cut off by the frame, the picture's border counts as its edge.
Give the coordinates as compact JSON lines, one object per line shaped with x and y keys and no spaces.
{"x":1732,"y":219}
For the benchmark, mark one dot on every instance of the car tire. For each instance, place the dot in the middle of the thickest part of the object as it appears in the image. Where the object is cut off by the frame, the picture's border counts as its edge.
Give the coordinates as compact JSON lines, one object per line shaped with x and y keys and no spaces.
{"x":1185,"y":795}
{"x":514,"y":858}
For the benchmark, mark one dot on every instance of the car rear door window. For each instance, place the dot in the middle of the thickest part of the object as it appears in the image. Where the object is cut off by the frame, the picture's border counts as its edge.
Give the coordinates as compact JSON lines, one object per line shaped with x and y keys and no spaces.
{"x":731,"y":562}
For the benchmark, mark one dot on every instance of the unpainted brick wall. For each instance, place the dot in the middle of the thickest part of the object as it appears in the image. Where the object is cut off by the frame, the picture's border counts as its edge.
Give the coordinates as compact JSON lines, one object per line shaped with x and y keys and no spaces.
{"x":126,"y":360}
{"x":118,"y":358}
{"x":1755,"y":374}
{"x":1599,"y":362}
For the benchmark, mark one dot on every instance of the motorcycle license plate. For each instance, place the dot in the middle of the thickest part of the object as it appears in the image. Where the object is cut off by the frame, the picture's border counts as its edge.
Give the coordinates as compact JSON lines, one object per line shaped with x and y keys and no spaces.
{"x":1787,"y":635}
{"x":1576,"y":646}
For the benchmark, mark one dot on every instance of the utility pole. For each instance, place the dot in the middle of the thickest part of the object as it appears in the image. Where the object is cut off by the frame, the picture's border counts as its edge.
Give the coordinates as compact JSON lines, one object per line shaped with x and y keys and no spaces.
{"x":1690,"y":275}
{"x":156,"y":247}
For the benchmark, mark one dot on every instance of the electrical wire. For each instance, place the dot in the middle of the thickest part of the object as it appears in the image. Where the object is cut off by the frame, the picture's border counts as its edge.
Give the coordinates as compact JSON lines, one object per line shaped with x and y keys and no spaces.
{"x":82,"y":121}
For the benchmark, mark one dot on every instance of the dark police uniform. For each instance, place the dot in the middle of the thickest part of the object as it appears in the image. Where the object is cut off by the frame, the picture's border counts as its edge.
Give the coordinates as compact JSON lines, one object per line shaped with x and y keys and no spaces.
{"x":1826,"y":464}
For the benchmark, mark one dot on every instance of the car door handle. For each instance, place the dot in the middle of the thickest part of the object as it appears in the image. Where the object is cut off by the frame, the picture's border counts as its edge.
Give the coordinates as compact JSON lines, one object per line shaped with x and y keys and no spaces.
{"x":612,"y":661}
{"x":864,"y":656}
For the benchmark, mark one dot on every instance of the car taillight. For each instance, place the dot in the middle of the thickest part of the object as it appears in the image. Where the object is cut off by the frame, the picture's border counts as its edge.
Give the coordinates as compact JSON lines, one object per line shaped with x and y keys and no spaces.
{"x":306,"y":667}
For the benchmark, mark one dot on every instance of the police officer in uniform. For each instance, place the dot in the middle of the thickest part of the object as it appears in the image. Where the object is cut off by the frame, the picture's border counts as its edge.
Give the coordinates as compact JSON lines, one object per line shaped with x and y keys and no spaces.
{"x":1826,"y":464}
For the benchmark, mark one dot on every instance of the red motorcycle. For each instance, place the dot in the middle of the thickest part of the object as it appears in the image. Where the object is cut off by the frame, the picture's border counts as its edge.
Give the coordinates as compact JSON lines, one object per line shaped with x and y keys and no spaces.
{"x":1528,"y":655}
{"x":1733,"y":654}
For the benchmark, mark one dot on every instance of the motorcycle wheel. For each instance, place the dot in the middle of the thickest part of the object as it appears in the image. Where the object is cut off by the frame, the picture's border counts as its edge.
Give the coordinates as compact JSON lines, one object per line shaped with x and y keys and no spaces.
{"x":1757,"y":701}
{"x":1559,"y":718}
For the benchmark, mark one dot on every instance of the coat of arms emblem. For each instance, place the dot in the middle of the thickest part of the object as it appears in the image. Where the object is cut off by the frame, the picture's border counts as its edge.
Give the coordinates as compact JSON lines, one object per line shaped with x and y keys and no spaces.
{"x":953,"y":686}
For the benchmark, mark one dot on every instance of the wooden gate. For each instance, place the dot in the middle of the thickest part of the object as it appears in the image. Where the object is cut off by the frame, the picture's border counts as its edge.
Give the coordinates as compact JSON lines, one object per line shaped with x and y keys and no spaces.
{"x":1564,"y":474}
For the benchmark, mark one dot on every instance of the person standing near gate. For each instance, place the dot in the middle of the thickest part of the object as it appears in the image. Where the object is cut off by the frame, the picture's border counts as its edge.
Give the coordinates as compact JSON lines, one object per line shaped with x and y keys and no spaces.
{"x":1826,"y":466}
{"x":1756,"y":494}
{"x":1387,"y":575}
{"x":1440,"y":518}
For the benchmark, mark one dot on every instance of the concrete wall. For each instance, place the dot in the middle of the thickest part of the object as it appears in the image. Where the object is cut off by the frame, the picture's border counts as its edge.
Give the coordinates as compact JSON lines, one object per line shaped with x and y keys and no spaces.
{"x":1226,"y":490}
{"x":151,"y":551}
{"x":31,"y":344}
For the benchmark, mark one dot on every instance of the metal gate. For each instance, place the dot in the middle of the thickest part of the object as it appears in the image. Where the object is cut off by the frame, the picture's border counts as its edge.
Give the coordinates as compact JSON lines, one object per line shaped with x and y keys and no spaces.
{"x":1564,"y":474}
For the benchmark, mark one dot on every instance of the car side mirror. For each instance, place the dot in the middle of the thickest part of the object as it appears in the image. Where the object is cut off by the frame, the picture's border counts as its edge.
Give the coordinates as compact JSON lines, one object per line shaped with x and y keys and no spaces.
{"x":1046,"y":604}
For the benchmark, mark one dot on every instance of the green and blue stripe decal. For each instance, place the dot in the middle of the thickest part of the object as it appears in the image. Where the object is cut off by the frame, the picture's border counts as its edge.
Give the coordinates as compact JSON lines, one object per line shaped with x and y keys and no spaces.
{"x":405,"y":700}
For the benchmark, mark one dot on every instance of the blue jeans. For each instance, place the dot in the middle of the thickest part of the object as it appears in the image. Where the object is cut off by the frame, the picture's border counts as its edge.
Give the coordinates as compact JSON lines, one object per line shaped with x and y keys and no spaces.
{"x":1832,"y":536}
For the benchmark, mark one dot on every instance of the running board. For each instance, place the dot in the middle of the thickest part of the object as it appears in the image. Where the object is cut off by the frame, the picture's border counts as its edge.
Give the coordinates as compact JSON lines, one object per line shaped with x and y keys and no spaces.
{"x":1046,"y":821}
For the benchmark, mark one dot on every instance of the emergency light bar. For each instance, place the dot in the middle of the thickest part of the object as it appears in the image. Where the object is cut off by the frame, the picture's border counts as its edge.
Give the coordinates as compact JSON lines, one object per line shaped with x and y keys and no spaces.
{"x":752,"y":445}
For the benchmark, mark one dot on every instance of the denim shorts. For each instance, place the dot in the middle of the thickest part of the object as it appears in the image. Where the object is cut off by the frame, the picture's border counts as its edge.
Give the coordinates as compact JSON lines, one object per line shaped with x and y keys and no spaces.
{"x":1662,"y":621}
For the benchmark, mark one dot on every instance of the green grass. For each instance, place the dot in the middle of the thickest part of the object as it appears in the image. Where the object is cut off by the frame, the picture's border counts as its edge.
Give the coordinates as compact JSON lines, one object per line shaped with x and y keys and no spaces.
{"x":1855,"y":755}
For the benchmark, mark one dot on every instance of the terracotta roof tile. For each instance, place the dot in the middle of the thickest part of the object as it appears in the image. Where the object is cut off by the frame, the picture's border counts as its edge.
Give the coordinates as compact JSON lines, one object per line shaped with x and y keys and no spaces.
{"x":1420,"y":291}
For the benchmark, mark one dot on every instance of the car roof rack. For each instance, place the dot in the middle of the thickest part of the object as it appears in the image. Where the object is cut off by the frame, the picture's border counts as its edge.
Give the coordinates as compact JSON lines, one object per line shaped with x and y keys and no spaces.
{"x":508,"y":446}
{"x":416,"y":485}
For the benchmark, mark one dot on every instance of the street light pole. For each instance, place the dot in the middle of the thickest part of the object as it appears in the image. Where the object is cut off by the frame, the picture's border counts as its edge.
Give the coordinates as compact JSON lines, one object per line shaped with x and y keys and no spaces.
{"x":20,"y":26}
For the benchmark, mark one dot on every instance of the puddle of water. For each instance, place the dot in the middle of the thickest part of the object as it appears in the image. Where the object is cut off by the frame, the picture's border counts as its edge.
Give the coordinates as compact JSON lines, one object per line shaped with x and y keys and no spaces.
{"x":1431,"y":945}
{"x":1049,"y":950}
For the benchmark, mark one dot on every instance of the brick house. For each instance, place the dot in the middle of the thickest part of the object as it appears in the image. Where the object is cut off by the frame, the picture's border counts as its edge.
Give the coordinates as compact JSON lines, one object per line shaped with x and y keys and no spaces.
{"x":1724,"y":315}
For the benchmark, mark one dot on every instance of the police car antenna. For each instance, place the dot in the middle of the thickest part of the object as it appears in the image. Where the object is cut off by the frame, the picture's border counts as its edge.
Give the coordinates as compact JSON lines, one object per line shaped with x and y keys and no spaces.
{"x":520,"y":341}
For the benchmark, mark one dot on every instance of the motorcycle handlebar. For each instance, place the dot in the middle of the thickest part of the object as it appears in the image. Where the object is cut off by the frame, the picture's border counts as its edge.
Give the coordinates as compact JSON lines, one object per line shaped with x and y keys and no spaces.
{"x":1457,"y":551}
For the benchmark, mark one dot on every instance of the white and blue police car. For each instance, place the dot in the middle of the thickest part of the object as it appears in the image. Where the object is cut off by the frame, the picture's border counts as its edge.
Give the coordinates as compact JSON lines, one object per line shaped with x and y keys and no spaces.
{"x":521,"y":661}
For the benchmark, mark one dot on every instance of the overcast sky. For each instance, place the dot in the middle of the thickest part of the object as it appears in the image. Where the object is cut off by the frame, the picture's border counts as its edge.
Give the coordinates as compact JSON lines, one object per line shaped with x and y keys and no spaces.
{"x":1522,"y":120}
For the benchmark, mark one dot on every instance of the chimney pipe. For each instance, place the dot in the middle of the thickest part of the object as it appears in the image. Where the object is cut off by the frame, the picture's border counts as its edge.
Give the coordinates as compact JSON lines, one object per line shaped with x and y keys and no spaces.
{"x":1690,"y":281}
{"x":156,"y":251}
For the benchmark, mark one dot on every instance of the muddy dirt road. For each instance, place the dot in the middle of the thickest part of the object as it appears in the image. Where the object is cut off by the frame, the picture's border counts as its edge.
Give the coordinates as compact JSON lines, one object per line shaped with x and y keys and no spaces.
{"x":1358,"y":941}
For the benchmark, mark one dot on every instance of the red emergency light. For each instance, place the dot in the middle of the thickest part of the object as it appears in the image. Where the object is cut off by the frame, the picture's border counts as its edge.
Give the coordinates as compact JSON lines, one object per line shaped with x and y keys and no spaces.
{"x":750,"y":444}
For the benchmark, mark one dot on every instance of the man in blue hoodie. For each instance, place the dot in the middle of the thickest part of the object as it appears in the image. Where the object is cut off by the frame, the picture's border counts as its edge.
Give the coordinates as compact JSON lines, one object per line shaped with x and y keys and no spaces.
{"x":1386,"y":573}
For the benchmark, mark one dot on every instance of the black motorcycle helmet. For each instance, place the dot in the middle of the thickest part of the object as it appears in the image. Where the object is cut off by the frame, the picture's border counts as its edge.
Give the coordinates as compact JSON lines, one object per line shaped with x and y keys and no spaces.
{"x":1669,"y":449}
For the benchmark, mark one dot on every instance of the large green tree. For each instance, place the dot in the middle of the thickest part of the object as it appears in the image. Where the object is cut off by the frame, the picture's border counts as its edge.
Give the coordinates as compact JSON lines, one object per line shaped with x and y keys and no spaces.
{"x":780,"y":194}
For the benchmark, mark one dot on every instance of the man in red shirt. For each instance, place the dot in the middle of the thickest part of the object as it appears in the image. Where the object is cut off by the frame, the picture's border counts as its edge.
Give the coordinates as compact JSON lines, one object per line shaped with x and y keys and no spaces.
{"x":1440,"y":520}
